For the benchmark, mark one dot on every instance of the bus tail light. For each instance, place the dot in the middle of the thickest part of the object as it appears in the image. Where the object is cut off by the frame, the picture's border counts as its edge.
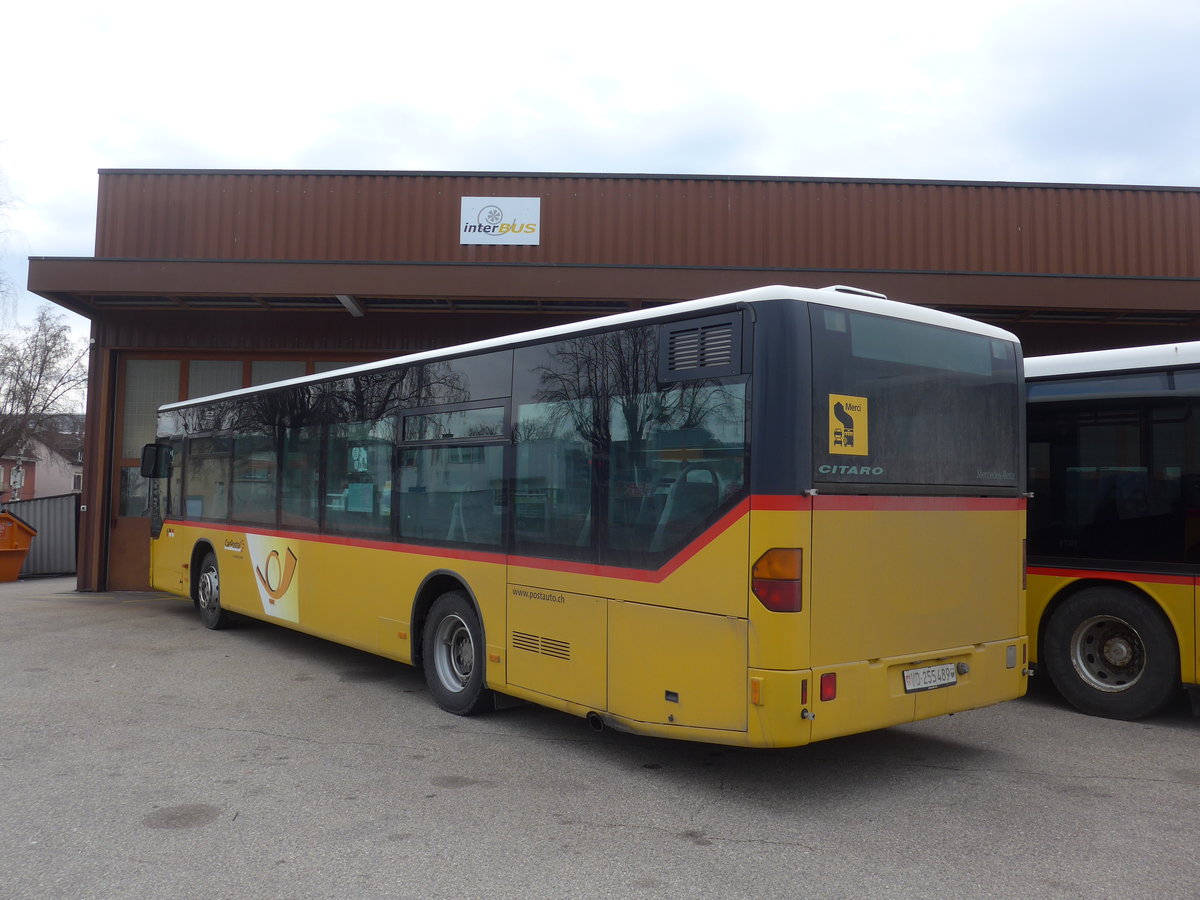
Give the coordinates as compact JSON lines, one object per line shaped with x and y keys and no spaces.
{"x":776,"y":579}
{"x":829,"y":686}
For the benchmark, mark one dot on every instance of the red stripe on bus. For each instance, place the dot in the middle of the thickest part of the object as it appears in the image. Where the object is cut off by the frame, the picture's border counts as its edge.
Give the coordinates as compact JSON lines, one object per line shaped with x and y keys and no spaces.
{"x":534,"y":562}
{"x":842,"y":503}
{"x":781,"y":502}
{"x":646,"y":575}
{"x":766,"y":502}
{"x":1147,"y":577}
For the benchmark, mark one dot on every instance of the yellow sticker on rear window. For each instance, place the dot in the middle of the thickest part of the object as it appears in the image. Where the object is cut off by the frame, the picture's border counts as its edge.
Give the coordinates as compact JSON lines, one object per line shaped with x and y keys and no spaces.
{"x":847,"y":425}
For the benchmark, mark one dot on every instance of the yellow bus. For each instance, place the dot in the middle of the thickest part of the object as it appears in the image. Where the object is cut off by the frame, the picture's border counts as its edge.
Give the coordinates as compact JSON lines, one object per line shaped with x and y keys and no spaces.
{"x":1114,"y":525}
{"x":760,"y":519}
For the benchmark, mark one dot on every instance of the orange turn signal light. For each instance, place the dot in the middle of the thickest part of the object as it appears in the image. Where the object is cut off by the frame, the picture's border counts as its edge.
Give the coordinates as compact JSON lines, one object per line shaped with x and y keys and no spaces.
{"x":776,"y":579}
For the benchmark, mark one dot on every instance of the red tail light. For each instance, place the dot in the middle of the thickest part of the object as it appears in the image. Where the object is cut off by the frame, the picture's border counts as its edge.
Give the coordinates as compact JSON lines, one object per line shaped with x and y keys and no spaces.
{"x":829,"y":686}
{"x":776,"y":579}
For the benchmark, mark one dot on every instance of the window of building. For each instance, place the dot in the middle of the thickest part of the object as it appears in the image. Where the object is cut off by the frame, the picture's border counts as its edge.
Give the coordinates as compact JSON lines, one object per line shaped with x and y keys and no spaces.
{"x":264,"y":371}
{"x":149,"y":383}
{"x":213,"y":376}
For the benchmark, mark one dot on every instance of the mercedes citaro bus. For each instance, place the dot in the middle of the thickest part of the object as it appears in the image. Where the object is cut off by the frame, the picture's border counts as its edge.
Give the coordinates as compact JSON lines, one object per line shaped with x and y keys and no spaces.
{"x":764,"y":519}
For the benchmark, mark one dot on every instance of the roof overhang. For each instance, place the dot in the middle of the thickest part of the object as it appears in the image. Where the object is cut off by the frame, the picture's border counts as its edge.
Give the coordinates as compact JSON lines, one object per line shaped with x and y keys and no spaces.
{"x":93,"y":287}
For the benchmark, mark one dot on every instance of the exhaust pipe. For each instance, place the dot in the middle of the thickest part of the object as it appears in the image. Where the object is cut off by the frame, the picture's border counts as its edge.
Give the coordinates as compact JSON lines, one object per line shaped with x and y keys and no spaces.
{"x":594,"y":720}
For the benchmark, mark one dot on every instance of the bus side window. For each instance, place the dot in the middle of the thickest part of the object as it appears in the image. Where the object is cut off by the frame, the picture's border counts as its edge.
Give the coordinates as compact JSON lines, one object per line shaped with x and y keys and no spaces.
{"x":208,"y":469}
{"x":452,"y":494}
{"x":358,"y":478}
{"x":674,"y":470}
{"x":552,"y":498}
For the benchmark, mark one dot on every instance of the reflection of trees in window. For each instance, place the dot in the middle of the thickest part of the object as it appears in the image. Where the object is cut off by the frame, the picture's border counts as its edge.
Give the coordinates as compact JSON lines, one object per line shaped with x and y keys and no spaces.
{"x":600,"y":379}
{"x":669,"y":482}
{"x":596,"y":431}
{"x":371,"y":396}
{"x":208,"y":418}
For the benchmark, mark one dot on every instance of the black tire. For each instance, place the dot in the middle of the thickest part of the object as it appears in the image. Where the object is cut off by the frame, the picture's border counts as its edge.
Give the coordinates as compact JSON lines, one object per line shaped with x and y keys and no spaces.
{"x":1111,"y":653}
{"x":208,"y":595}
{"x":452,"y":653}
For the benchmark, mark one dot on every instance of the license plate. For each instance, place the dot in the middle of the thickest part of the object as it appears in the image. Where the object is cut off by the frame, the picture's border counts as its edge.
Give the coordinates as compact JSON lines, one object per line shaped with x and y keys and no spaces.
{"x":930,"y":677}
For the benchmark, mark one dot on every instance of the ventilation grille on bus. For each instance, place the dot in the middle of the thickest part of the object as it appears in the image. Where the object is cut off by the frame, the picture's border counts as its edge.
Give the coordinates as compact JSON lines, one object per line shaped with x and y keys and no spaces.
{"x":543,"y":645}
{"x":701,"y":348}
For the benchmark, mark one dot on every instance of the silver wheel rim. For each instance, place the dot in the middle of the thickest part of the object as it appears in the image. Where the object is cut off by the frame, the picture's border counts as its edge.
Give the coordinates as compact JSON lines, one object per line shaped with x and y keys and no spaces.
{"x":209,"y":590}
{"x":453,"y":653}
{"x":1108,"y":653}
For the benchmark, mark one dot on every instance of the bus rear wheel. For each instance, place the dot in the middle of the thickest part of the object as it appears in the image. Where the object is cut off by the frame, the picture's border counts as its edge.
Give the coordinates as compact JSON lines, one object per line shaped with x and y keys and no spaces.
{"x":208,"y":595}
{"x":1110,"y":653}
{"x":452,"y":654}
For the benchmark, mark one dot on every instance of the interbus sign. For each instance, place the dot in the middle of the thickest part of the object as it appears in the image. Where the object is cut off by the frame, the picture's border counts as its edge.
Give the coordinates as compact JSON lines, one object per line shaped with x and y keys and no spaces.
{"x":501,"y":220}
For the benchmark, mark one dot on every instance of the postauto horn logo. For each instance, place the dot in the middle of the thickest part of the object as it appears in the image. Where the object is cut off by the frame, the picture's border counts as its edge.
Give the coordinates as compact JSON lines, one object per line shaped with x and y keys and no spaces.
{"x":274,"y":564}
{"x":501,"y":220}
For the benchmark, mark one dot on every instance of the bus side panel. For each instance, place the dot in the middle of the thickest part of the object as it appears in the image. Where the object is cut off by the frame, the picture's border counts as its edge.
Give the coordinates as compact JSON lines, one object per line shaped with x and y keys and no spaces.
{"x":894,"y":579}
{"x":169,"y":563}
{"x":1177,"y":600}
{"x":558,"y":644}
{"x":780,"y":640}
{"x":360,"y":596}
{"x":711,"y":578}
{"x":677,"y":667}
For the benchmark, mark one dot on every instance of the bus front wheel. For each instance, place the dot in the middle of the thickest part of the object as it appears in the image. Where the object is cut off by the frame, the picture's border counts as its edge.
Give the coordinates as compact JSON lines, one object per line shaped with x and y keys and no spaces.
{"x":452,"y":653}
{"x":1110,"y":653}
{"x":208,"y":595}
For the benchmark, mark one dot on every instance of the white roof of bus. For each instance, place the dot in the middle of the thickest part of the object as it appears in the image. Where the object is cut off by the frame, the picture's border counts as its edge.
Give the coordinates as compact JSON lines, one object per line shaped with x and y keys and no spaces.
{"x":836,"y":295}
{"x":1160,"y":356}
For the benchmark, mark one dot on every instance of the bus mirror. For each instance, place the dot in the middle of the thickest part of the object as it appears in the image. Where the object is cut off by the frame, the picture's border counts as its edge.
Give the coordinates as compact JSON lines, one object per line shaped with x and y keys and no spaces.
{"x":156,"y":461}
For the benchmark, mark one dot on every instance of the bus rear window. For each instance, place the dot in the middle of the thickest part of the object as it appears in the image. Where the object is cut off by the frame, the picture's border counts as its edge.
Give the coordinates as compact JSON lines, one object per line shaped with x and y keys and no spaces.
{"x":912,"y":406}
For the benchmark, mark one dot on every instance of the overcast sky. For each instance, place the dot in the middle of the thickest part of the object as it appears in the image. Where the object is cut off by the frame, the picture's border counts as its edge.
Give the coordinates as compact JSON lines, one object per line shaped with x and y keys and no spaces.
{"x":1076,"y":91}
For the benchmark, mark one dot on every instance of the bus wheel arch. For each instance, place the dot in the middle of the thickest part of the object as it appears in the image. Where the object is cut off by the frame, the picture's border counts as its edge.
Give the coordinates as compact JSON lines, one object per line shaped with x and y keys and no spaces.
{"x":201,"y":549}
{"x":1110,"y":650}
{"x":449,"y":644}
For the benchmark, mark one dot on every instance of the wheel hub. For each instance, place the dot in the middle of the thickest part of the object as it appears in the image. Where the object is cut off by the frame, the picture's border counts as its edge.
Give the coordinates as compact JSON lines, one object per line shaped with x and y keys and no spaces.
{"x":1118,"y":651}
{"x":207,"y":589}
{"x":453,"y":654}
{"x":1108,"y":653}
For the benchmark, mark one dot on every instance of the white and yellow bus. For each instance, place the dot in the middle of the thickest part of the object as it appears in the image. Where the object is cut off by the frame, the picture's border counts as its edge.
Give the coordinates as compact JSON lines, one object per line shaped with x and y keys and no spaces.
{"x":1114,"y":525}
{"x":762,"y":519}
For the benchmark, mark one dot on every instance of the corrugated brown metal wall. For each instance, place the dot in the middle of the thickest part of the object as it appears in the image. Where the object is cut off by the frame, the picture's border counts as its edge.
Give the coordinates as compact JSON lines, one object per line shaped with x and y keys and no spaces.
{"x":660,"y":221}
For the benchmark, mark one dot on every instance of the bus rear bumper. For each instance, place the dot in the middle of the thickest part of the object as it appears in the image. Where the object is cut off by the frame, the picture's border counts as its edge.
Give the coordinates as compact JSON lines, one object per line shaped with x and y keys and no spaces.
{"x":786,"y":709}
{"x":874,"y":694}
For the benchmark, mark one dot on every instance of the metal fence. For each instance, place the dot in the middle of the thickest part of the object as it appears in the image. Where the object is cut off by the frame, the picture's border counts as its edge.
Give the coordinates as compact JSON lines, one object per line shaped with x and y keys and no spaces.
{"x":56,"y":519}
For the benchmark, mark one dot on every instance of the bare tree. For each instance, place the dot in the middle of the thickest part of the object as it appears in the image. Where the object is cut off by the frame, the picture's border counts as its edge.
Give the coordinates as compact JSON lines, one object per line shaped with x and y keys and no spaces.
{"x":43,"y":373}
{"x":7,"y":291}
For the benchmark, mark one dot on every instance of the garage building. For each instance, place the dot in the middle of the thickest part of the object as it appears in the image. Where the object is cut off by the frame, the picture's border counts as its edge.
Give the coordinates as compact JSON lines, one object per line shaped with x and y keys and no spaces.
{"x":206,"y":281}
